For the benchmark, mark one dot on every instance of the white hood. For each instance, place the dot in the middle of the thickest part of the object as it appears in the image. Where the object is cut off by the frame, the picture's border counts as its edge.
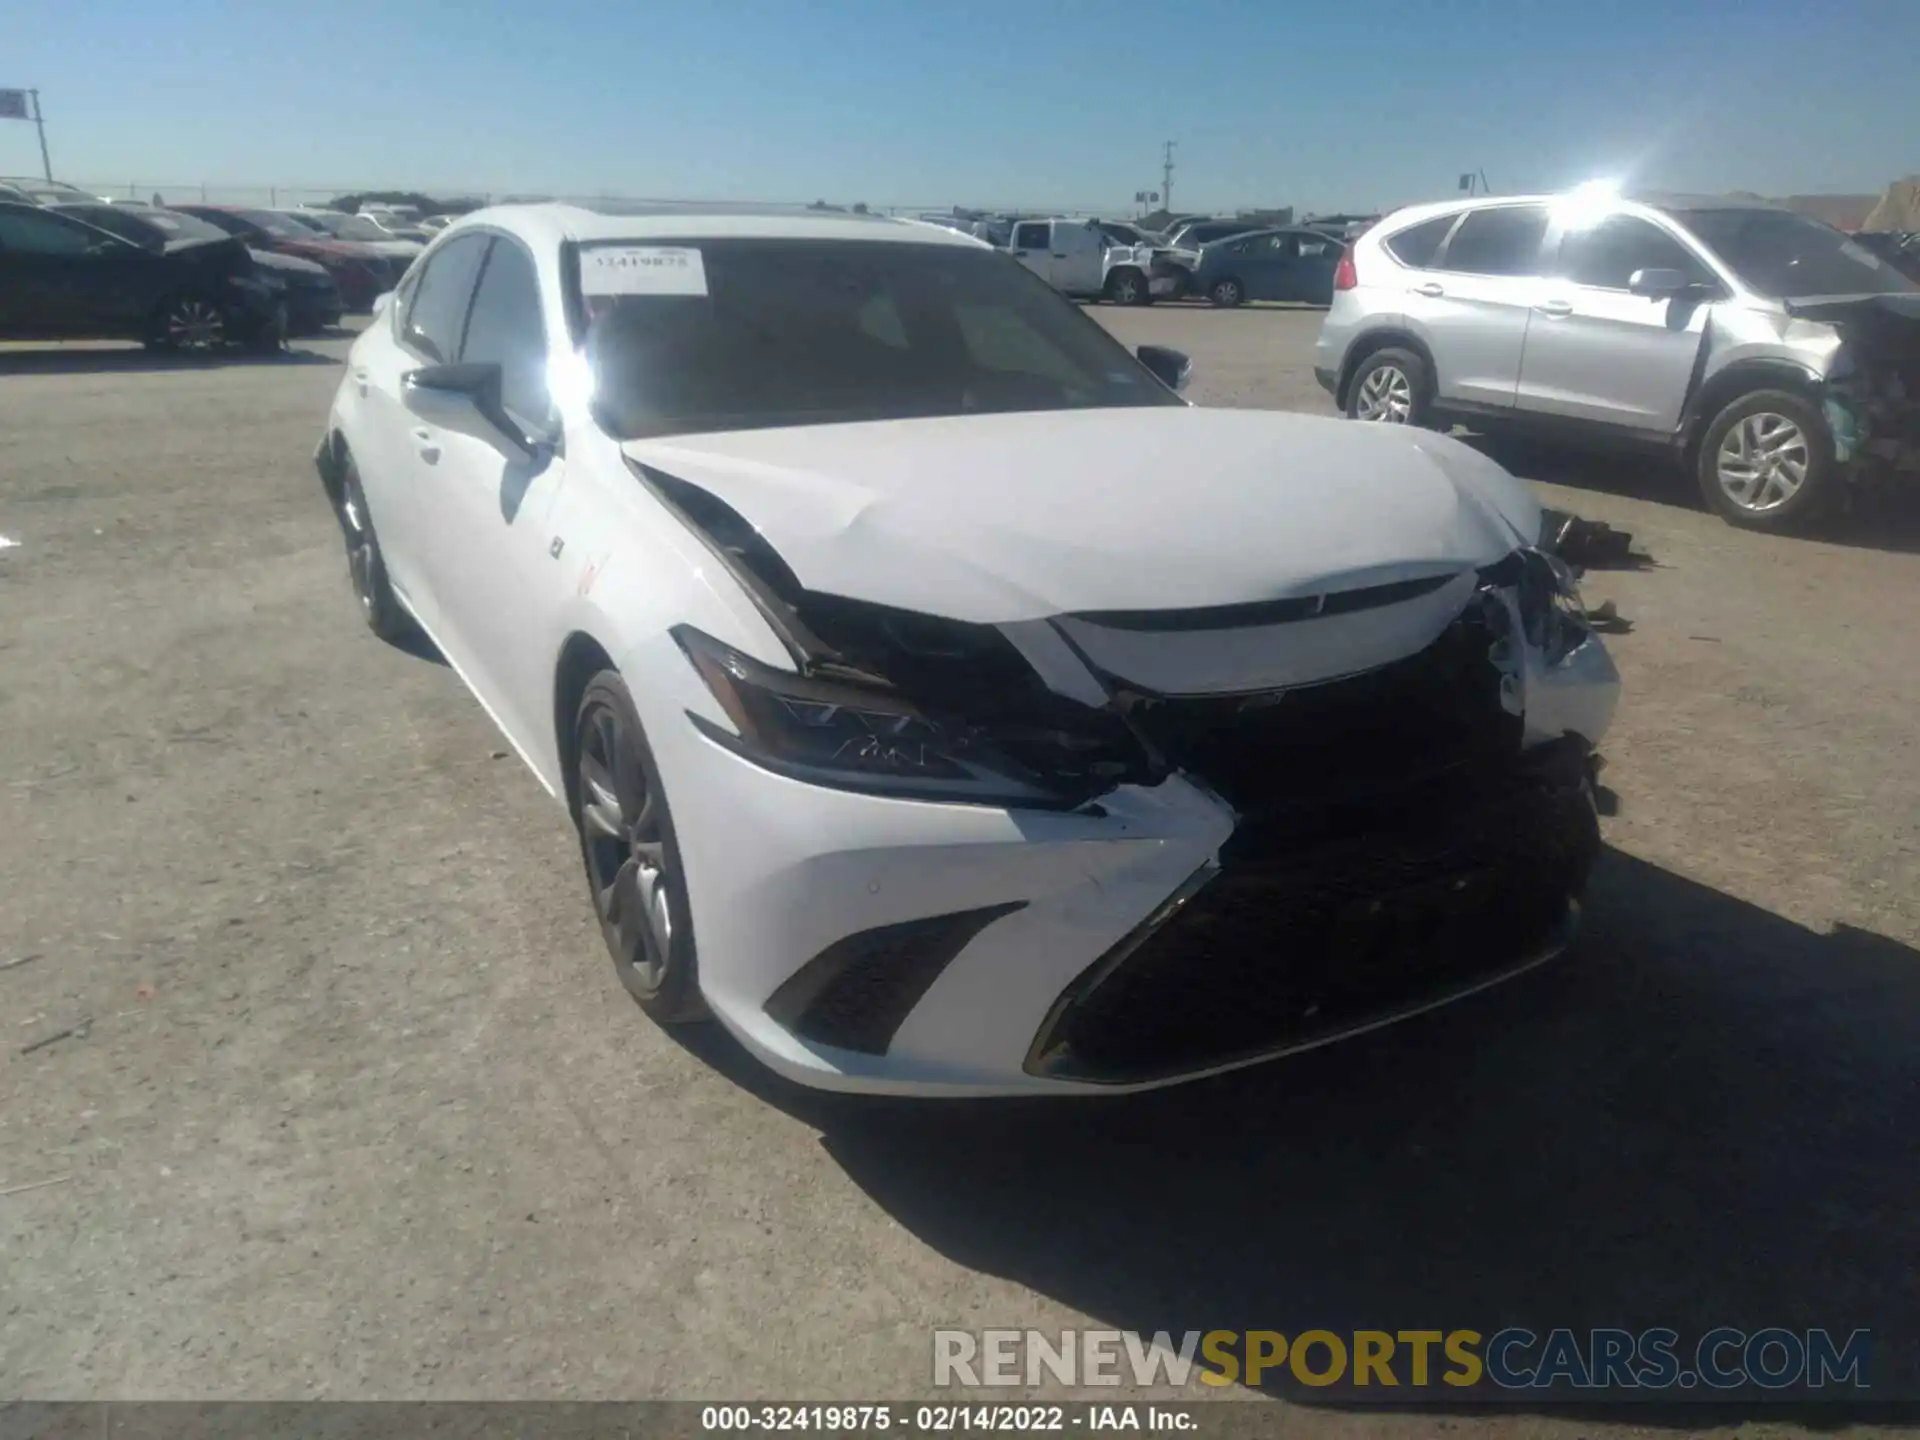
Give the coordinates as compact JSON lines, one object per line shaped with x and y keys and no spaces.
{"x":1000,"y":518}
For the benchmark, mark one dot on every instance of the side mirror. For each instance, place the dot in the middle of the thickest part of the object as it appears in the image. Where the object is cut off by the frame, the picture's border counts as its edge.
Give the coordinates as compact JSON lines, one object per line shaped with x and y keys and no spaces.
{"x":1172,"y":368}
{"x":446,"y":390}
{"x":380,"y":303}
{"x":1657,"y":284}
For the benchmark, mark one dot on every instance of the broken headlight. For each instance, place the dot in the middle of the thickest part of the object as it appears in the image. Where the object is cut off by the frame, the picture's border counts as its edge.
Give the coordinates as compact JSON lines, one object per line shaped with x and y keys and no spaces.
{"x":1552,"y":613}
{"x":854,"y":737}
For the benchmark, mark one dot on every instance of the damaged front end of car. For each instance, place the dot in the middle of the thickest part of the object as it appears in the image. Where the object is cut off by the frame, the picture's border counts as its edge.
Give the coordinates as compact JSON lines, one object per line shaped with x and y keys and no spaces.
{"x":1403,"y":832}
{"x":1871,"y":397}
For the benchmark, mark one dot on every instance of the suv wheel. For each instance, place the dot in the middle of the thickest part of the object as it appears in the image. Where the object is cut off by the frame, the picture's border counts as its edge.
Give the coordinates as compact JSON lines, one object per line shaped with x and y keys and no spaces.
{"x":1390,"y":386}
{"x":1766,"y":462}
{"x":1128,"y":286}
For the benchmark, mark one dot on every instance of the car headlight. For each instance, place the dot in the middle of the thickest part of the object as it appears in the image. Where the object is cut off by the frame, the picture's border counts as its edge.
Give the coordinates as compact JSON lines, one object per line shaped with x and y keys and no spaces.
{"x":853,"y":736}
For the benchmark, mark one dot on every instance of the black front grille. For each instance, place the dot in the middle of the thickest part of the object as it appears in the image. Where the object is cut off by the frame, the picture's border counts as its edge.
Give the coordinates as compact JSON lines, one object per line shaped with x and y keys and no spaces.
{"x":1374,"y":734}
{"x":1277,"y":952}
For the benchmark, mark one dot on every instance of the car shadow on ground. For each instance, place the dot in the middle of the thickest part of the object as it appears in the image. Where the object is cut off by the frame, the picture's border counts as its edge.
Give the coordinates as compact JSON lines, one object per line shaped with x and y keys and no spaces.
{"x":1699,"y":1117}
{"x":1883,"y":516}
{"x":62,"y":360}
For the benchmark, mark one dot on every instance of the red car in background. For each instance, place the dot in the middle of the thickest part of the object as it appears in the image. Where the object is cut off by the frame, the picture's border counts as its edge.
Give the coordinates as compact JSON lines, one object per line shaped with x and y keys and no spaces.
{"x":360,"y":271}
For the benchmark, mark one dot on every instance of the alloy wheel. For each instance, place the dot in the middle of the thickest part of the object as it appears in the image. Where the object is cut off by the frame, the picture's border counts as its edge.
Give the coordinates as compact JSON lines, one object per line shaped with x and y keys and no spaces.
{"x":360,"y":544}
{"x":194,"y":325}
{"x":1386,"y":394}
{"x":1126,"y":289}
{"x":1762,"y":462}
{"x":625,"y":848}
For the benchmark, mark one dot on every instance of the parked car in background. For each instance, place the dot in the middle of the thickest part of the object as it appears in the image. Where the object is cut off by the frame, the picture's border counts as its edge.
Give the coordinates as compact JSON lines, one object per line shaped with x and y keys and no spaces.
{"x":29,"y":191}
{"x":1345,"y":227}
{"x":1291,"y":264}
{"x":359,"y":229}
{"x":1121,"y":232}
{"x":1188,"y":236}
{"x":312,"y":299}
{"x":939,"y":700}
{"x":63,"y":279}
{"x":433,"y":224}
{"x":1074,"y":257}
{"x":1776,"y":357}
{"x":361,"y":272}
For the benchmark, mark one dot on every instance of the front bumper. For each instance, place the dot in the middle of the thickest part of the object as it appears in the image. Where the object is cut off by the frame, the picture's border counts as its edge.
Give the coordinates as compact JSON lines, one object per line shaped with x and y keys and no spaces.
{"x":854,"y":942}
{"x":1329,"y":380}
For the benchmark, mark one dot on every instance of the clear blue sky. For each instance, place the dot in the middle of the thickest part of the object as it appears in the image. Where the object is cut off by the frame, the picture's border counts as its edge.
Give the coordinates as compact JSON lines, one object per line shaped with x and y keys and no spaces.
{"x":1333,"y":104}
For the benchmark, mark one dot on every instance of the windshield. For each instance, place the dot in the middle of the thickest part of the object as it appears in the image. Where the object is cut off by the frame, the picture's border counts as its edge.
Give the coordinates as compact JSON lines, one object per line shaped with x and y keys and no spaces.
{"x":147,"y":227}
{"x":745,"y":334}
{"x":276,"y":224}
{"x":1785,"y":256}
{"x":358,"y":227}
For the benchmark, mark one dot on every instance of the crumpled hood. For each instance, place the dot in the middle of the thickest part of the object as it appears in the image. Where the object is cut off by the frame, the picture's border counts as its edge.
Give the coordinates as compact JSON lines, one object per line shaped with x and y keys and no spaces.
{"x":1000,"y":518}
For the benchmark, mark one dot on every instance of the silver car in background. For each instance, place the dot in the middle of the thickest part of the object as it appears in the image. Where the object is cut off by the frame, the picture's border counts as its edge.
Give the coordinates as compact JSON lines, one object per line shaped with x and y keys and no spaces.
{"x":1777,"y":358}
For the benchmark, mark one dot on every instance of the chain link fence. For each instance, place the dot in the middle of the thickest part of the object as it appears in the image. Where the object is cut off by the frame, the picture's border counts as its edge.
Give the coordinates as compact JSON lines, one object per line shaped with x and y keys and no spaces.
{"x":286,"y":197}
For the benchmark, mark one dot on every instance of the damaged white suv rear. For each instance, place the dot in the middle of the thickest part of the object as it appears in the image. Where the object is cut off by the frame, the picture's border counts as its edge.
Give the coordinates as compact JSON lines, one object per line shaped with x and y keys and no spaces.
{"x":944,"y":704}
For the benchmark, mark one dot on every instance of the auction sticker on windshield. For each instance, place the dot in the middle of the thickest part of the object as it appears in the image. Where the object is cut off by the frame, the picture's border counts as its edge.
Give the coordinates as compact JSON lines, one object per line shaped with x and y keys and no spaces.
{"x":642,"y":270}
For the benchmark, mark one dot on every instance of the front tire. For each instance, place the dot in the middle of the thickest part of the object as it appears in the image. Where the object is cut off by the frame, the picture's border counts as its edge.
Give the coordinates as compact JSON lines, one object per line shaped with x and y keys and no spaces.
{"x":1390,"y":387}
{"x":632,"y":858}
{"x":1766,"y":462}
{"x":188,"y":324}
{"x":1227,"y":294}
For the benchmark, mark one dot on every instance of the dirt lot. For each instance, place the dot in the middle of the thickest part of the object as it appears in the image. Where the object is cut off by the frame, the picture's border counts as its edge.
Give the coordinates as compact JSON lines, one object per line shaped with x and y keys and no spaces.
{"x":356,"y":1107}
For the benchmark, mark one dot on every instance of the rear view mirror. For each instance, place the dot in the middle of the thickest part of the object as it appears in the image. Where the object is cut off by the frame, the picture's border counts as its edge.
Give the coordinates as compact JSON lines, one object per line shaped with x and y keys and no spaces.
{"x":443,"y":390}
{"x":380,"y":303}
{"x":1657,"y":283}
{"x":1171,"y":367}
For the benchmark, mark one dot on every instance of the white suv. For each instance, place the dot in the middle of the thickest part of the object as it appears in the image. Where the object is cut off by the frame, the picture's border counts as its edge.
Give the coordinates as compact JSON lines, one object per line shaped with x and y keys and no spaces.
{"x":1779,"y":359}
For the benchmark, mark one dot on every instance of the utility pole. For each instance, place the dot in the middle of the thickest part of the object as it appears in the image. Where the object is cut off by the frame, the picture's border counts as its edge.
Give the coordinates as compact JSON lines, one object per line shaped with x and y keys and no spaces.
{"x":40,"y":124}
{"x":1166,"y":176}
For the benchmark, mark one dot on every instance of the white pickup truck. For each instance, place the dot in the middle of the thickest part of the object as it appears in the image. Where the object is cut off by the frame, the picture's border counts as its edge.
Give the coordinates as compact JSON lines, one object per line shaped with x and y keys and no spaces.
{"x":1074,"y":257}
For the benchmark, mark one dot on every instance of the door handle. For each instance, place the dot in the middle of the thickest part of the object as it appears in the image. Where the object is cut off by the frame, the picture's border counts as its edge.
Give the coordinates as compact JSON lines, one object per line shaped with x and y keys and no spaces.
{"x":1058,"y":256}
{"x":360,"y":378}
{"x":429,"y":451}
{"x":1559,"y":309}
{"x":1430,"y":290}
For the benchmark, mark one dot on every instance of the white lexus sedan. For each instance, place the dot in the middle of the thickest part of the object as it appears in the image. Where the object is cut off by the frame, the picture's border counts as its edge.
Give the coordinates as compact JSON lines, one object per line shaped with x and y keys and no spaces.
{"x":944,"y":704}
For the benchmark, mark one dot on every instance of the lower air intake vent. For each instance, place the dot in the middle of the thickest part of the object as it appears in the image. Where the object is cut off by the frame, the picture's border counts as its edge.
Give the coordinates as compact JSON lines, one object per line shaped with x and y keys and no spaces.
{"x":855,"y":993}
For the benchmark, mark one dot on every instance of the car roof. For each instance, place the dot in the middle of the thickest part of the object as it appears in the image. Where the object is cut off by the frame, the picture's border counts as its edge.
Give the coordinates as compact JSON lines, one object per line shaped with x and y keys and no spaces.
{"x":554,"y":224}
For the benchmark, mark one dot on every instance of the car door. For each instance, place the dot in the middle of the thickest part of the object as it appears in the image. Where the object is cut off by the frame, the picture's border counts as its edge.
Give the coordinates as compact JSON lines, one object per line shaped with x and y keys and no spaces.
{"x":1079,"y":258}
{"x":1033,"y":247}
{"x":59,"y":278}
{"x":1472,"y":305}
{"x":1259,"y":262}
{"x":488,"y":501}
{"x":1315,"y":257}
{"x":1595,"y":350}
{"x":426,"y":325}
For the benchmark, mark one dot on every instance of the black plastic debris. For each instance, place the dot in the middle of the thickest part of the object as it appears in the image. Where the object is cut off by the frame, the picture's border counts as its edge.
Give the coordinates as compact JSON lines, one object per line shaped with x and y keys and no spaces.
{"x":1585,"y":544}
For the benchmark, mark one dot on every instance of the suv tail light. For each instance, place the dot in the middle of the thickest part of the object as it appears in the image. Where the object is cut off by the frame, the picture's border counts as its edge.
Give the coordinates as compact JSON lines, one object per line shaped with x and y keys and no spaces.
{"x":1343,"y":275}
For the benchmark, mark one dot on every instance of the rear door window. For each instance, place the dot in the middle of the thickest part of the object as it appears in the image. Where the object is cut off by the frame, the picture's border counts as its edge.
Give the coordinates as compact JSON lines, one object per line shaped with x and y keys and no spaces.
{"x":1030,"y":236}
{"x":1418,"y":244}
{"x":1503,"y":240}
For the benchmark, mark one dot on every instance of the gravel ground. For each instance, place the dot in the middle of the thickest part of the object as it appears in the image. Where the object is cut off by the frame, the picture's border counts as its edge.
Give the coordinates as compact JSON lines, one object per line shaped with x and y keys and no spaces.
{"x":354,"y":1107}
